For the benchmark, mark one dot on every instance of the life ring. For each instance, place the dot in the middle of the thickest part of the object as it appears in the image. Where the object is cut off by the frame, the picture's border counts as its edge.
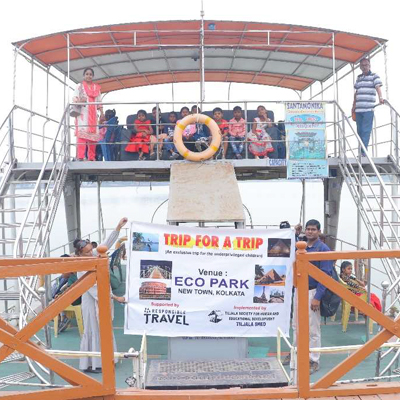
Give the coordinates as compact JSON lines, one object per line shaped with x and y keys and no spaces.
{"x":215,"y":142}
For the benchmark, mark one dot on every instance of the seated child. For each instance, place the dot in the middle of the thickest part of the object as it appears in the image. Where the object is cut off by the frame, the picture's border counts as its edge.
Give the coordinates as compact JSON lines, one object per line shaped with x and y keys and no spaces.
{"x":356,"y":286}
{"x":139,"y":143}
{"x":260,"y":140}
{"x":202,"y":135}
{"x":223,"y":127}
{"x":154,"y":140}
{"x":237,"y":132}
{"x":169,"y":130}
{"x":189,"y":131}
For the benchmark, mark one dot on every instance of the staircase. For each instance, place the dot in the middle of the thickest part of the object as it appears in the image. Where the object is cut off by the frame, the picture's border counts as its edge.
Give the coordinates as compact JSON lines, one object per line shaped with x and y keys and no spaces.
{"x":28,"y":205}
{"x":376,"y":195}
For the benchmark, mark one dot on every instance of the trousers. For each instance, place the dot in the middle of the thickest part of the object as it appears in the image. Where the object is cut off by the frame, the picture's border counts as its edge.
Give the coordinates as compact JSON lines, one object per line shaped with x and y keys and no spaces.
{"x":364,"y":122}
{"x":81,"y":149}
{"x":314,"y":323}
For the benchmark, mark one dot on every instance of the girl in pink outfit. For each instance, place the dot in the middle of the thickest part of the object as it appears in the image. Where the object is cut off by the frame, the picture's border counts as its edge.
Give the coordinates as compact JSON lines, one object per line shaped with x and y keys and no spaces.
{"x":260,"y":140}
{"x":86,"y":124}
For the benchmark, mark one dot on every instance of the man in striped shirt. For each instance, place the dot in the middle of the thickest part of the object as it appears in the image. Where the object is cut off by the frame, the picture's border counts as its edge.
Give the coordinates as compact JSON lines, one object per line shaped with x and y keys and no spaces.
{"x":366,"y":86}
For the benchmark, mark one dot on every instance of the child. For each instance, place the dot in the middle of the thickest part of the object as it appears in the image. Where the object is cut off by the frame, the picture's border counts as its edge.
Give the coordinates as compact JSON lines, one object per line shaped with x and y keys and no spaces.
{"x":157,"y":140}
{"x":202,"y":135}
{"x":223,"y":127}
{"x":169,"y":130}
{"x":260,"y":140}
{"x":237,"y":132}
{"x":140,"y":141}
{"x":356,"y":286}
{"x":189,"y":131}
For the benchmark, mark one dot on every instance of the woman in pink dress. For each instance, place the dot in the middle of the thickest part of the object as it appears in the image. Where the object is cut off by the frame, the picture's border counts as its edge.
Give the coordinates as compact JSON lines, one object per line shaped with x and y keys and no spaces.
{"x":86,"y":124}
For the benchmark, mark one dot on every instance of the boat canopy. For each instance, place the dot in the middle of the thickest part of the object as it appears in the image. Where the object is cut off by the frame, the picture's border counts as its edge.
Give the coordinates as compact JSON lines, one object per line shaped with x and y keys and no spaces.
{"x":150,"y":53}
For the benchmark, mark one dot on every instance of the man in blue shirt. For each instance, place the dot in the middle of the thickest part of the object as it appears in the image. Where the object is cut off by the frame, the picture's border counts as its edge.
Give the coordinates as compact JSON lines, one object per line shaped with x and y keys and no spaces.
{"x":315,"y":291}
{"x":366,"y":87}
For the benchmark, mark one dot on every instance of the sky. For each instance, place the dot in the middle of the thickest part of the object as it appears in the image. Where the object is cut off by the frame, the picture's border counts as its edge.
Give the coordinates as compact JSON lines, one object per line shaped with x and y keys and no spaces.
{"x":28,"y":19}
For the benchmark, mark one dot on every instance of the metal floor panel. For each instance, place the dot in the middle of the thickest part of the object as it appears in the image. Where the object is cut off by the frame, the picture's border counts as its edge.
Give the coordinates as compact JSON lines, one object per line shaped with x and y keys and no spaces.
{"x":250,"y":372}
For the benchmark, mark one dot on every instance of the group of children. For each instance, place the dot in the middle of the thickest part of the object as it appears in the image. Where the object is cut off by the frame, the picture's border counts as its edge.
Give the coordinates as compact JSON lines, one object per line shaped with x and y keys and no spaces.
{"x":265,"y":138}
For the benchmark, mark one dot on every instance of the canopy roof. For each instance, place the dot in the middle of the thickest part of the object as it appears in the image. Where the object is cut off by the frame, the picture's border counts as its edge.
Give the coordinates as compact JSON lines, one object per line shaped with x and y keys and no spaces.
{"x":149,"y":53}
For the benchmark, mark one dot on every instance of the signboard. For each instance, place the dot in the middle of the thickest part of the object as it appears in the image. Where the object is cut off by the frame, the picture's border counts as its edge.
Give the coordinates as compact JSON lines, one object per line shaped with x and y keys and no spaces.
{"x":208,"y":282}
{"x":306,"y":138}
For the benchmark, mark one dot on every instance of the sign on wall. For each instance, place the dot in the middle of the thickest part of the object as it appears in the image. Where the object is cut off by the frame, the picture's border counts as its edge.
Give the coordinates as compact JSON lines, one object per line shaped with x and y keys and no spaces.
{"x":208,"y":282}
{"x":306,"y":140}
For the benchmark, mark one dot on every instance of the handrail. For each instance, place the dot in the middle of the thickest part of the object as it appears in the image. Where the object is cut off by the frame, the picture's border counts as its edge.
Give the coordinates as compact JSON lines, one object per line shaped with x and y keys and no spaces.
{"x":12,"y":339}
{"x":345,"y":162}
{"x":40,"y":177}
{"x":304,"y":269}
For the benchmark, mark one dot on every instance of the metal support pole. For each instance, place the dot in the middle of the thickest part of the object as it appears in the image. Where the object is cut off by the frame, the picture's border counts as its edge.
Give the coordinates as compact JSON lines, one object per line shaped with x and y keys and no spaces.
{"x":246,"y":147}
{"x":386,"y":72}
{"x":368,"y":276}
{"x":44,"y":291}
{"x":47,"y":92}
{"x":29,"y":147}
{"x":303,"y":202}
{"x":385,"y":285}
{"x":335,"y":94}
{"x":99,"y":210}
{"x":229,"y":95}
{"x":157,"y":129}
{"x":202,"y":77}
{"x":15,"y":75}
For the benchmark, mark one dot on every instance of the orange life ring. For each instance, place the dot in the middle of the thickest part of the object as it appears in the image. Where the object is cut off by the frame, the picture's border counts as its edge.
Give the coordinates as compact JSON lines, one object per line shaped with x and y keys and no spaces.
{"x":215,"y":142}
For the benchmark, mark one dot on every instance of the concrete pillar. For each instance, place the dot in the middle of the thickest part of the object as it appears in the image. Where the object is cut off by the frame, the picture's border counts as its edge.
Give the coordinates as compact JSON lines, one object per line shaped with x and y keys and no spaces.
{"x":332,"y":193}
{"x":72,"y":208}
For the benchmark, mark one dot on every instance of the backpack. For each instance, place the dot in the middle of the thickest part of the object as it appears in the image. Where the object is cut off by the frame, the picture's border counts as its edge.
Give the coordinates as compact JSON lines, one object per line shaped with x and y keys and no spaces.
{"x":330,"y":301}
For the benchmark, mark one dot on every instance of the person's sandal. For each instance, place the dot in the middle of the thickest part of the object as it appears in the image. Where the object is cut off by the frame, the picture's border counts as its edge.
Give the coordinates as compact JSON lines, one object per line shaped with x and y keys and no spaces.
{"x":314,"y":367}
{"x":286,"y":360}
{"x":153,"y":156}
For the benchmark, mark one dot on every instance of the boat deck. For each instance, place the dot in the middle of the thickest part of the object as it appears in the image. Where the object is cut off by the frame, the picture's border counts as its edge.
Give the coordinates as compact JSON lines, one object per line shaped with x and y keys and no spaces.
{"x":159,"y":171}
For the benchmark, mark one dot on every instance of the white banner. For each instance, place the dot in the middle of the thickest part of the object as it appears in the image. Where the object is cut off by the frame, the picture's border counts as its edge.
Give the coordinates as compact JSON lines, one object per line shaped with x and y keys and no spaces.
{"x":208,"y":282}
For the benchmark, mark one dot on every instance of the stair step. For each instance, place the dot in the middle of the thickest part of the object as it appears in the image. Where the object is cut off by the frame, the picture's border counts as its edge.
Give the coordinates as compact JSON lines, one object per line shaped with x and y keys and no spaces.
{"x":379,"y":210}
{"x":18,"y":224}
{"x":11,"y":241}
{"x":391,"y":239}
{"x":13,"y":357}
{"x":18,"y":377}
{"x":9,"y":316}
{"x":378,"y":184}
{"x":371,"y":196}
{"x":15,"y":196}
{"x":397,"y":223}
{"x":9,"y":295}
{"x":6,"y":210}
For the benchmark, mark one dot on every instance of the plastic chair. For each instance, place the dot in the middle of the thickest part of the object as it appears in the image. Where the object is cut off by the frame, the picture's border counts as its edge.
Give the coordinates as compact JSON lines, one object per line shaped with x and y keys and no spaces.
{"x":346,"y":309}
{"x":76,"y":312}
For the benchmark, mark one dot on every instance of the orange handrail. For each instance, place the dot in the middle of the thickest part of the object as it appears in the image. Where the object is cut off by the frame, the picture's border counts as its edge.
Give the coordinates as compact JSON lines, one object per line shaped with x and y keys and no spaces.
{"x":86,"y":387}
{"x":14,"y":340}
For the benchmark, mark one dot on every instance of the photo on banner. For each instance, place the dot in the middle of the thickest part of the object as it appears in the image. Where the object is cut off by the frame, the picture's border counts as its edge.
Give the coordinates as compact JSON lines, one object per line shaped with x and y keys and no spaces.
{"x":306,"y":140}
{"x":184,"y":281}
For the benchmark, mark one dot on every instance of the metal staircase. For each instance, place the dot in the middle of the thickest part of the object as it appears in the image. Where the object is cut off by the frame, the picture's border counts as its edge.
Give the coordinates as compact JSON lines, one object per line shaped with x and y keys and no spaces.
{"x":375,"y":193}
{"x":28,"y":205}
